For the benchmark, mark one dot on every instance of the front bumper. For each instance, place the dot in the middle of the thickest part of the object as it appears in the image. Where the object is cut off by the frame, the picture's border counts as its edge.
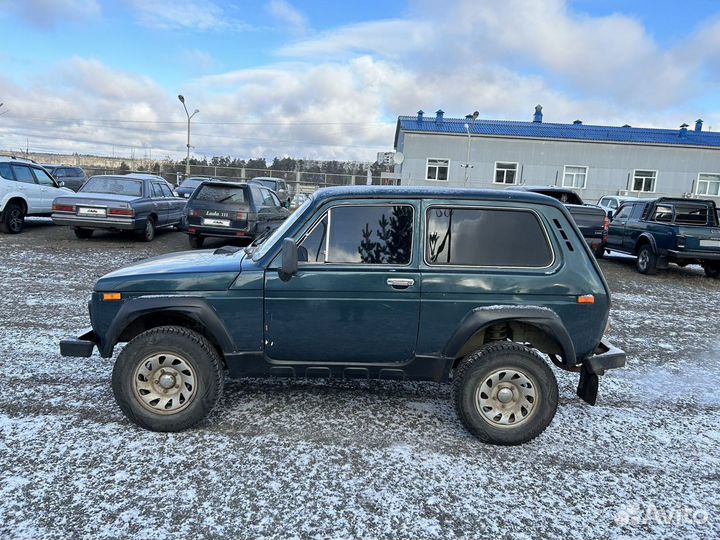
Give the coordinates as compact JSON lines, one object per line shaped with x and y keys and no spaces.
{"x":80,"y":347}
{"x":606,"y":356}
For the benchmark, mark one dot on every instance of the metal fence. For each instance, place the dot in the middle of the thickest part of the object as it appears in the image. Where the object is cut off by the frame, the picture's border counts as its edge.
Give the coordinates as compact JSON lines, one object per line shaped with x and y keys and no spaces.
{"x":297,"y":181}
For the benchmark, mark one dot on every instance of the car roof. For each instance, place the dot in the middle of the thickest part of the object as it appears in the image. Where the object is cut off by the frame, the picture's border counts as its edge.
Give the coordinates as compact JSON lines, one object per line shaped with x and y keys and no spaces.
{"x":530,"y":187}
{"x":15,"y":159}
{"x":266,"y":178}
{"x":223,"y":183}
{"x":145,"y":176}
{"x":422,"y":192}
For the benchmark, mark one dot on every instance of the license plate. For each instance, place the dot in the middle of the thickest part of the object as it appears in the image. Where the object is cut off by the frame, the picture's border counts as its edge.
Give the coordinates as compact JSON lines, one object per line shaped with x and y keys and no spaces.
{"x":216,"y":222}
{"x":709,"y":243}
{"x":86,"y":211}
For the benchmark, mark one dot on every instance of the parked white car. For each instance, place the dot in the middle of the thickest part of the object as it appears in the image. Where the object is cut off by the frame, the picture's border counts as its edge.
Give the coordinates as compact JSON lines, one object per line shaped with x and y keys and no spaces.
{"x":26,"y":189}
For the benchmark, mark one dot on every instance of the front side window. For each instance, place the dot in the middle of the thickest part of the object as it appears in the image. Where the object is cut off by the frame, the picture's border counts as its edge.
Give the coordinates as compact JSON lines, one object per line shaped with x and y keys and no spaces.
{"x":166,"y":191}
{"x":505,"y":173}
{"x":370,"y":235}
{"x":42,"y":177}
{"x":157,"y":191}
{"x":437,"y":169}
{"x":624,"y":212}
{"x":486,"y":237}
{"x":23,"y":174}
{"x":312,"y":248}
{"x":575,"y":177}
{"x":644,"y":180}
{"x":708,"y":184}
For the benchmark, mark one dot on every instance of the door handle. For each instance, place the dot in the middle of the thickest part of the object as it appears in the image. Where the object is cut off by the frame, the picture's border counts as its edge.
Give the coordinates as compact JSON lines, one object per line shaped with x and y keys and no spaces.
{"x":400,"y":283}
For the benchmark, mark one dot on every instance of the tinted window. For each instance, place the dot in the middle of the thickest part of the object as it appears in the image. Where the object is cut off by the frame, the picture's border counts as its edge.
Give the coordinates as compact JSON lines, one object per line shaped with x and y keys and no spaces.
{"x":42,"y":177}
{"x":23,"y":174}
{"x":221,"y":194}
{"x":624,"y":212}
{"x":119,"y":186}
{"x":166,"y":191}
{"x":314,"y":244}
{"x":370,"y":234}
{"x":486,"y":237}
{"x":5,"y":171}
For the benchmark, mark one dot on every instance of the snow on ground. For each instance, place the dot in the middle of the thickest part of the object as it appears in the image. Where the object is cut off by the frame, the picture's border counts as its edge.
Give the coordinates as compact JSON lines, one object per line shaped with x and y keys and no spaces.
{"x":319,"y":459}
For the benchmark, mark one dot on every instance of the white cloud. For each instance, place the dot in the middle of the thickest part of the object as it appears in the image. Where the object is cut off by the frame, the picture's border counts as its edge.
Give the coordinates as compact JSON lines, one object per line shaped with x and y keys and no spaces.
{"x":48,"y":13}
{"x":287,"y":15}
{"x":184,"y":14}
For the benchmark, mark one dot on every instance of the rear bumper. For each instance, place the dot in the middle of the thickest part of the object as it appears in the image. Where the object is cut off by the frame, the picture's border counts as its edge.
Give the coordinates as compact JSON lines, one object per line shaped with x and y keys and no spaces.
{"x":94,"y":223}
{"x":81,"y":346}
{"x":225,"y":232}
{"x":606,"y":356}
{"x":693,"y":255}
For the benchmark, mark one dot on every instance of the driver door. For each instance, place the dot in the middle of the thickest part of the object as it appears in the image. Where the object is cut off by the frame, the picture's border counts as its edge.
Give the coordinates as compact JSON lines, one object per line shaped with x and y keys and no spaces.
{"x":356,"y":295}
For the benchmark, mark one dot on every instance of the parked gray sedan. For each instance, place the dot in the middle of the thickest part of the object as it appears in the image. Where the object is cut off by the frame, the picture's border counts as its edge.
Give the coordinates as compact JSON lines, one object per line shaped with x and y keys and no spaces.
{"x":139,"y":203}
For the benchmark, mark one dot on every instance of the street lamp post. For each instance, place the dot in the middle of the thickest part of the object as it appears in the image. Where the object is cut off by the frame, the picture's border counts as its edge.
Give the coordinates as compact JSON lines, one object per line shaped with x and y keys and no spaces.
{"x":467,"y":157}
{"x":189,"y":117}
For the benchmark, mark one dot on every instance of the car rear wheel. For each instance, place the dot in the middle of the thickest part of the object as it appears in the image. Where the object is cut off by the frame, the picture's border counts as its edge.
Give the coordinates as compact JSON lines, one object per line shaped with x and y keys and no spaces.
{"x":83,"y":233}
{"x":646,"y":260}
{"x":712,"y":270}
{"x":13,"y":219}
{"x":505,"y":393}
{"x":149,"y":232}
{"x":167,"y":379}
{"x":196,"y":241}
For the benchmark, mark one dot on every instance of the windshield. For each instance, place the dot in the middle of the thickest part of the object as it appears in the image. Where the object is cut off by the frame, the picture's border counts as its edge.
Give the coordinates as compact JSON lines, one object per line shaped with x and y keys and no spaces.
{"x":221,"y":194}
{"x":117,"y":186}
{"x":280,"y":231}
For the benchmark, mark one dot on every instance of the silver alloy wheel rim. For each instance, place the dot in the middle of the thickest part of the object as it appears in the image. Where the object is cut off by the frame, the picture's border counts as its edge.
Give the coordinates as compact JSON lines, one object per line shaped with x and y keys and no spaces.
{"x":164,"y":383}
{"x":15,"y":219}
{"x":643,"y":259}
{"x":149,"y":234}
{"x":507,"y":398}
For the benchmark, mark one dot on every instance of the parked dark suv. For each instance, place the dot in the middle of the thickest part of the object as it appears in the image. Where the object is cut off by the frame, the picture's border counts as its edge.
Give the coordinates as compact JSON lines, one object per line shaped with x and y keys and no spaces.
{"x":461,"y":285}
{"x":71,"y":177}
{"x":231,"y":210}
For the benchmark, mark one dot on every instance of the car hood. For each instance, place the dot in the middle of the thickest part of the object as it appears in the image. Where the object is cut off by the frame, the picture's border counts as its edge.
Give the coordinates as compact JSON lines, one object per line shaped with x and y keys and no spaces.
{"x":205,"y":270}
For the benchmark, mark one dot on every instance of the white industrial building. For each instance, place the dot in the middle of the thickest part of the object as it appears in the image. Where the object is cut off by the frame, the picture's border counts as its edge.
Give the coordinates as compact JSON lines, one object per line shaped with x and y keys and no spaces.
{"x":593,"y":160}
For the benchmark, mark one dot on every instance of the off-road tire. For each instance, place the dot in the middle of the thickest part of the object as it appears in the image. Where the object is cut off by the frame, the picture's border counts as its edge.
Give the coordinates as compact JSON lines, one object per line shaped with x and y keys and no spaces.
{"x":646,"y":260}
{"x":474,"y":370}
{"x":196,"y":350}
{"x":712,"y":270}
{"x":148,"y":233}
{"x":13,"y":219}
{"x":83,"y":233}
{"x":196,"y":241}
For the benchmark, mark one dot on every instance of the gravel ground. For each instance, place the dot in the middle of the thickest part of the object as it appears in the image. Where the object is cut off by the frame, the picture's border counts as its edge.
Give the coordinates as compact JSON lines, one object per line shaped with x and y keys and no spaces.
{"x":317,"y":459}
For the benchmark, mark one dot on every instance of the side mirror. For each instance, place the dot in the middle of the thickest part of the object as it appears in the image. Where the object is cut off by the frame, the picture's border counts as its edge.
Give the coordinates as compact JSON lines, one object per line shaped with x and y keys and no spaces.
{"x":610,"y":214}
{"x":61,"y":183}
{"x":289,"y":259}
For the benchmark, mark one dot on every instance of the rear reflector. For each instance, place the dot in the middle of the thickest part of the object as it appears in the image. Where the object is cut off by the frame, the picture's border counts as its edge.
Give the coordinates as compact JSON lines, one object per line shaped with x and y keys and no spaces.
{"x":111,"y":296}
{"x":586,"y":299}
{"x":128,"y":212}
{"x":63,"y":207}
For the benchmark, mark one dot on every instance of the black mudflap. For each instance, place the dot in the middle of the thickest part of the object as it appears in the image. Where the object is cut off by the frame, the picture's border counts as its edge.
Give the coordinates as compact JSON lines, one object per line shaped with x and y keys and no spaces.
{"x":587,"y":388}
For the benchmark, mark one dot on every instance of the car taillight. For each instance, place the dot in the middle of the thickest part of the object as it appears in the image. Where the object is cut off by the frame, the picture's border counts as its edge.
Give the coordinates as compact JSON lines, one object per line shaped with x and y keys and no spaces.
{"x":126,"y":212}
{"x":606,"y":224}
{"x":241,"y":216}
{"x":63,"y":207}
{"x":193,"y":213}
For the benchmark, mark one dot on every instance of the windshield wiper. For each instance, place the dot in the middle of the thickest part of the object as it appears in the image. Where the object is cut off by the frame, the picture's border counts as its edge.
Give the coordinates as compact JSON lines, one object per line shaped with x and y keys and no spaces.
{"x":258,"y":240}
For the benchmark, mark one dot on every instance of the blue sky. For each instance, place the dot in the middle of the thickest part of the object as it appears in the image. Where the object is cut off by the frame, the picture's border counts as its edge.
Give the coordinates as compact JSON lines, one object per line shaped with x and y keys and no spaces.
{"x":327,"y":80}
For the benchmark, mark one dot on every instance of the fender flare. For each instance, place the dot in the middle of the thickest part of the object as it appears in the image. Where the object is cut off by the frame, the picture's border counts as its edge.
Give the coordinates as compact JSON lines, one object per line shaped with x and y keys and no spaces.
{"x":542,"y":318}
{"x":192,"y":307}
{"x":650,"y":239}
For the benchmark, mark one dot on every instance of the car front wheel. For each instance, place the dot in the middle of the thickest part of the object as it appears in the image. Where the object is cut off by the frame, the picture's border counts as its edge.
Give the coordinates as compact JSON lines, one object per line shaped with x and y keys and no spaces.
{"x":505,"y":393}
{"x":167,"y":379}
{"x":13,"y":219}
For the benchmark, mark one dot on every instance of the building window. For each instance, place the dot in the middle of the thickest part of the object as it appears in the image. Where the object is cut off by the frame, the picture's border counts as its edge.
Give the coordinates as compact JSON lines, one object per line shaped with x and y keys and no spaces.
{"x":708,"y":184}
{"x":644,"y":181}
{"x":575,"y":177}
{"x":437,"y":169}
{"x":505,"y":173}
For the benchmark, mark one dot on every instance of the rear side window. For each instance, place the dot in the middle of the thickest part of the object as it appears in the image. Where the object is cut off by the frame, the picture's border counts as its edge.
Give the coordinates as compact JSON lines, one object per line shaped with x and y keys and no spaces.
{"x":663,"y":214}
{"x":691,"y":214}
{"x":370,"y":234}
{"x":486,"y":237}
{"x":221,"y":194}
